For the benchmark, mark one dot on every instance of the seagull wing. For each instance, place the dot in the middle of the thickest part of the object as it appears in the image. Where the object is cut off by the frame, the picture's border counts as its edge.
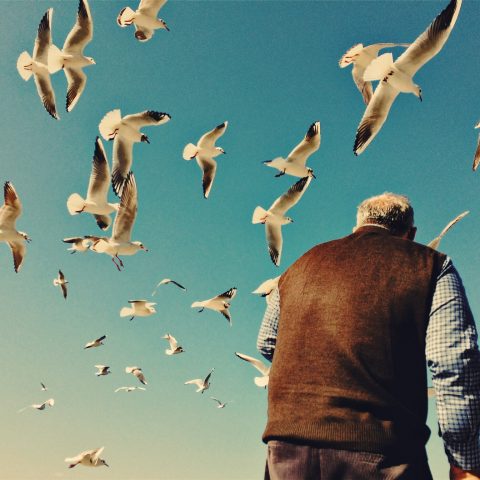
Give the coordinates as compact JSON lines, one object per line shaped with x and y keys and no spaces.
{"x":374,"y":117}
{"x":258,"y":364}
{"x":282,"y":204}
{"x":476,"y":158}
{"x":121,"y":163}
{"x":207,"y":378}
{"x":46,"y":93}
{"x":217,"y":400}
{"x":435,"y":243}
{"x":209,"y":168}
{"x":365,"y":88}
{"x":12,"y":207}
{"x":151,"y":7}
{"x":121,"y":388}
{"x":100,"y":175}
{"x":228,"y":295}
{"x":64,"y":290}
{"x":148,"y":117}
{"x":173,"y":342}
{"x":208,"y":140}
{"x":309,"y":145}
{"x":431,"y":41}
{"x":95,"y":454}
{"x":82,"y":32}
{"x":125,"y":218}
{"x":61,"y":275}
{"x":274,"y":242}
{"x":103,"y":337}
{"x":198,"y":382}
{"x":77,"y":80}
{"x":44,"y":38}
{"x":18,"y":252}
{"x":177,"y":284}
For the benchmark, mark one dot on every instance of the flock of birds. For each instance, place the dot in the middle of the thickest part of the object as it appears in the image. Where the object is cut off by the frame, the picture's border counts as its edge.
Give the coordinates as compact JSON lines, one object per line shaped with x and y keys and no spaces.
{"x":393,"y":76}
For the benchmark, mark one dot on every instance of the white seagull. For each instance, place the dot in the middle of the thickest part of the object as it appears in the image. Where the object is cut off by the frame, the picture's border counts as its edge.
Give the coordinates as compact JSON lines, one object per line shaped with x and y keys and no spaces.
{"x":79,"y":244}
{"x":295,"y":163}
{"x":138,"y":373}
{"x":60,"y":281}
{"x":266,"y":288}
{"x":205,"y":151}
{"x":129,"y":389}
{"x":201,"y":384}
{"x":435,"y":243}
{"x":96,"y":202}
{"x":476,"y":158}
{"x":361,"y":57}
{"x":9,"y":212}
{"x":125,"y":132}
{"x":71,"y":57}
{"x":165,"y":281}
{"x":40,"y":406}
{"x":102,"y":370}
{"x":274,"y":217}
{"x":220,"y":303}
{"x":397,"y":76}
{"x":139,"y":308}
{"x":120,"y":242}
{"x":38,"y":66}
{"x":89,"y":458}
{"x":220,"y":404}
{"x":175,"y":348}
{"x":95,"y":343}
{"x":145,"y":19}
{"x":260,"y":366}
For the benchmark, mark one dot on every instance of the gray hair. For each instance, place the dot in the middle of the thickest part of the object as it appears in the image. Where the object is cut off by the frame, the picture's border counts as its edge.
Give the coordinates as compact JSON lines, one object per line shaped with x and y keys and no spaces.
{"x":388,"y":210}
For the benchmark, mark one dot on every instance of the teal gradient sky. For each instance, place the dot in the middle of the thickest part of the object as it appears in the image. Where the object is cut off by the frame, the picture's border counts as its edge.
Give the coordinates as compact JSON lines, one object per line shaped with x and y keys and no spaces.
{"x":270,"y":69}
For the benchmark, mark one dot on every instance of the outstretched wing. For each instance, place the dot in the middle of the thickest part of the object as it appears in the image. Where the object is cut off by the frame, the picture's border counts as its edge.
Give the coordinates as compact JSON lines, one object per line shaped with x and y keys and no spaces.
{"x":282,"y":204}
{"x":127,"y":212}
{"x":208,"y":139}
{"x":12,"y":207}
{"x":82,"y":32}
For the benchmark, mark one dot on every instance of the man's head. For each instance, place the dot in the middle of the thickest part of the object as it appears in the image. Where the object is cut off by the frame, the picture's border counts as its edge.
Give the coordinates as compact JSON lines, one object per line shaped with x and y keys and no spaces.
{"x":390,"y":211}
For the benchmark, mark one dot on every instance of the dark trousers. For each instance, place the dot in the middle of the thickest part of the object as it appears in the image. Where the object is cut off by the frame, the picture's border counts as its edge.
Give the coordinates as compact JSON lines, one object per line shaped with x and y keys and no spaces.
{"x":288,"y":461}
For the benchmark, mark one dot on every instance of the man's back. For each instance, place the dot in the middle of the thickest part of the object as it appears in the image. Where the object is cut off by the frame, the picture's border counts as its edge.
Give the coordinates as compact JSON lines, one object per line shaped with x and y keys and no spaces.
{"x":349,"y":364}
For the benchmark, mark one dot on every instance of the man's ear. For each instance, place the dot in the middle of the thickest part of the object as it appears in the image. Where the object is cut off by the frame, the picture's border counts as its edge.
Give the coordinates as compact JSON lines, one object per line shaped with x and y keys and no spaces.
{"x":411,"y":233}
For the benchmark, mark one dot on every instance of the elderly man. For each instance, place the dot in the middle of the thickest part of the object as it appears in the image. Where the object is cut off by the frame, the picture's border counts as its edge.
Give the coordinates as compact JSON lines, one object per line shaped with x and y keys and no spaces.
{"x":350,"y":330}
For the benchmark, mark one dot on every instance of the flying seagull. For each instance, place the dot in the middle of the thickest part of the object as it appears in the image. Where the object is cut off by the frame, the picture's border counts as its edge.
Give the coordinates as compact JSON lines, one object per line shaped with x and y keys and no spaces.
{"x":205,"y":151}
{"x":435,"y":243}
{"x":476,"y":158}
{"x":175,"y":348}
{"x":145,"y":19}
{"x":138,"y":373}
{"x":165,"y":281}
{"x":397,"y":76}
{"x":38,"y":65}
{"x":220,"y":303}
{"x":266,"y":288}
{"x":79,"y":244}
{"x":40,"y":406}
{"x":71,"y":57}
{"x":96,"y":202}
{"x":89,"y":458}
{"x":140,"y":308}
{"x":44,"y":388}
{"x":201,"y":384}
{"x":260,"y":366}
{"x":125,"y":132}
{"x":295,"y":163}
{"x":274,"y":217}
{"x":102,"y":370}
{"x":95,"y":343}
{"x":9,"y":212}
{"x":129,"y":389}
{"x":361,"y":57}
{"x":120,"y":242}
{"x":60,"y":281}
{"x":220,"y":404}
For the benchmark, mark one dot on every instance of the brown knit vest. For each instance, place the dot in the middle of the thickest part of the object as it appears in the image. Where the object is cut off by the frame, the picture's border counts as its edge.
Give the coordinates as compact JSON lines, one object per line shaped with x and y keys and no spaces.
{"x":349,"y":367}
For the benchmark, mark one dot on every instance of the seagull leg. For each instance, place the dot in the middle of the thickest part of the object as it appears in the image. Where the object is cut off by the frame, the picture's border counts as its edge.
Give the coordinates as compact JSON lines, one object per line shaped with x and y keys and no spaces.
{"x":280,"y":174}
{"x":113,"y":260}
{"x":132,"y":318}
{"x":119,"y":259}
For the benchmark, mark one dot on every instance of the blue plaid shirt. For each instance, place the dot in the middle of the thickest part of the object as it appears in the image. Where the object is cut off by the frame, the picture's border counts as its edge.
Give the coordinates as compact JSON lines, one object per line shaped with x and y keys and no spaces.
{"x":452,"y":357}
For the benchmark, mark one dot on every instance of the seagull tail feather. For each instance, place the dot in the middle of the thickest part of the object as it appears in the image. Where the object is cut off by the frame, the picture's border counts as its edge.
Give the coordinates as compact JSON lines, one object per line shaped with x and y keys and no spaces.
{"x":55,"y":59}
{"x":75,"y":204}
{"x":24,"y":60}
{"x":261,"y":381}
{"x":125,"y":312}
{"x":378,"y":68}
{"x":258,"y":215}
{"x":109,"y":123}
{"x":190,"y":151}
{"x":125,"y":17}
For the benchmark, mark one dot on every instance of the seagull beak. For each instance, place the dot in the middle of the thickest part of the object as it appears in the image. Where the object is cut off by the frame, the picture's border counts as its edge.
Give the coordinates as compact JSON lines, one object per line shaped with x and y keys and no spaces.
{"x":420,"y":97}
{"x":224,"y":153}
{"x":106,"y":464}
{"x":166,"y":27}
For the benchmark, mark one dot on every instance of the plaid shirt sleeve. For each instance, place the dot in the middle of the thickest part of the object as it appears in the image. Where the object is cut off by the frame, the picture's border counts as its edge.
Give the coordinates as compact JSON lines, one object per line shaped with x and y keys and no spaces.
{"x":267,"y":336}
{"x":454,"y":360}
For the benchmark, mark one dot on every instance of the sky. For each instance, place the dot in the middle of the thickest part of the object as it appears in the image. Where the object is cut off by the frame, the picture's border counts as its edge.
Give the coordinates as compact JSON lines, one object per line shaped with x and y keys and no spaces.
{"x":271,"y":69}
